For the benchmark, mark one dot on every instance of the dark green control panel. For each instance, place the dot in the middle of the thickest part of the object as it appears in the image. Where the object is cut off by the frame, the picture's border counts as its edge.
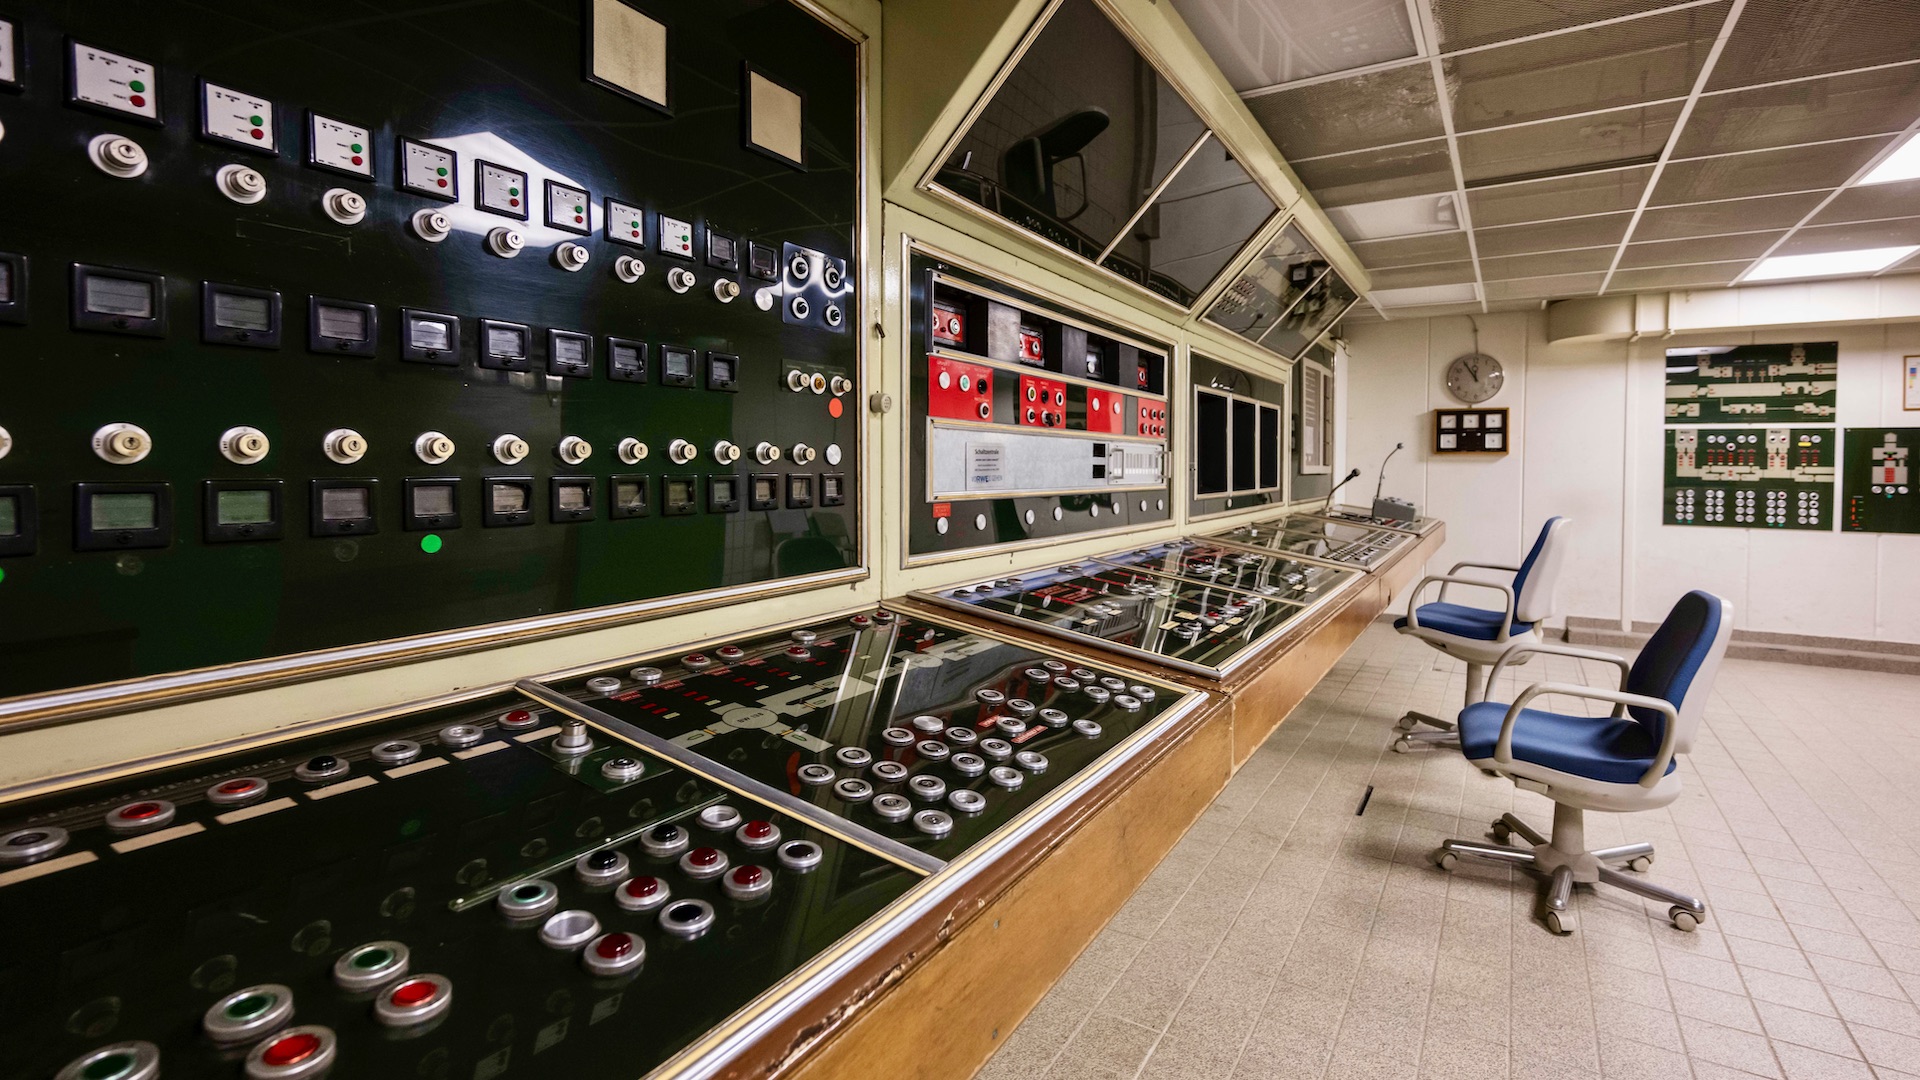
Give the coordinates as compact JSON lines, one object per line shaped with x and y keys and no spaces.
{"x":329,"y":324}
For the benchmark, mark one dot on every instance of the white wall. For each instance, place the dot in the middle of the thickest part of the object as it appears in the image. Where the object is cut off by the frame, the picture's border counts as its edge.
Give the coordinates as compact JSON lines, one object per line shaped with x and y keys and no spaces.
{"x":1588,"y":438}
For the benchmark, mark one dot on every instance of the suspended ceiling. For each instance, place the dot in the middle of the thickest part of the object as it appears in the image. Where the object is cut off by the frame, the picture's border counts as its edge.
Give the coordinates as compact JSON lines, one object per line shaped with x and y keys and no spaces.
{"x":1491,"y":154}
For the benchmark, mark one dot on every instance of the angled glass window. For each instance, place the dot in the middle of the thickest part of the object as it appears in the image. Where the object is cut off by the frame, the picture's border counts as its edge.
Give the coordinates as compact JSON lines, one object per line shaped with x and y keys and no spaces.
{"x":1268,"y":287}
{"x":1320,"y":308}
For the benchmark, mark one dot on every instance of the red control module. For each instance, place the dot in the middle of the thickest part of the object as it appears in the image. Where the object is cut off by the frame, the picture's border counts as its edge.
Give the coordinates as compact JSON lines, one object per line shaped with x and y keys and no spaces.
{"x":1043,"y":402}
{"x":1033,"y":349}
{"x":1153,"y":419}
{"x":1106,"y":411}
{"x":949,"y":326}
{"x":957,"y":390}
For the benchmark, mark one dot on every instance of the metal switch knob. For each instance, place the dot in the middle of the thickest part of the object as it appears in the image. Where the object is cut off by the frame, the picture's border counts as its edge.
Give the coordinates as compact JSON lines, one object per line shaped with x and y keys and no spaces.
{"x":240,"y":183}
{"x":680,"y":451}
{"x":571,"y":257}
{"x":628,"y":269}
{"x":510,"y":449}
{"x":766,"y":453}
{"x":433,"y":447}
{"x":344,"y":446}
{"x":244,"y":445}
{"x":573,"y":450}
{"x":505,"y":242}
{"x":726,"y":291}
{"x":680,"y":279}
{"x":802,"y":454}
{"x":343,"y":206}
{"x":122,"y":444}
{"x":431,"y":225}
{"x":725,"y":452}
{"x":117,"y":156}
{"x":631,"y":451}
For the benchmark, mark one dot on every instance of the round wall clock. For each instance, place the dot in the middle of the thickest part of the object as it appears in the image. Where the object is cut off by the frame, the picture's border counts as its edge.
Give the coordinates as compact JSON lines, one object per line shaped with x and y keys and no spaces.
{"x":1475,"y":377}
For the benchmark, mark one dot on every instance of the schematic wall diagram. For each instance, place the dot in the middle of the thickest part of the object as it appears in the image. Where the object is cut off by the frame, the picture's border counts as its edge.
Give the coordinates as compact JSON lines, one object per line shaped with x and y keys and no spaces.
{"x":1750,"y":478}
{"x":1879,"y":487}
{"x":1753,"y":384}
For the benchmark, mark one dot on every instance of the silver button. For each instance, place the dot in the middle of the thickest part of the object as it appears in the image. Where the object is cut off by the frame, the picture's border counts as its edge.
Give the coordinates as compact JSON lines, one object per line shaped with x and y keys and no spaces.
{"x":897,"y":737}
{"x":31,"y":845}
{"x":804,"y":637}
{"x":1010,"y":726}
{"x":1088,"y":728}
{"x":1066,"y":684}
{"x":248,"y":1014}
{"x":603,"y":684}
{"x":961,"y":736}
{"x":800,"y":855}
{"x":1144,"y":693}
{"x":930,"y":750}
{"x":235,"y":792}
{"x":614,"y":954}
{"x":969,"y":764}
{"x":414,"y":1000}
{"x":853,"y":789}
{"x":816,"y":774}
{"x":459,"y":736}
{"x":603,"y":867}
{"x":141,"y":814}
{"x":1006,"y":776}
{"x":1097,"y":695}
{"x":622,"y":769}
{"x":757,"y":834}
{"x":889,"y":772}
{"x":967,"y":801}
{"x":664,"y":841}
{"x":367,"y":967}
{"x":687,"y":918}
{"x":1054,"y":666}
{"x":704,"y":863}
{"x":1021,"y":708}
{"x":646,"y":676}
{"x":568,"y":930}
{"x":720,"y":818}
{"x":324,"y":1046}
{"x":928,"y":725}
{"x":1053,"y":718}
{"x":141,"y":1062}
{"x":997,"y":749}
{"x":1031,"y":760}
{"x":1039,"y":675}
{"x":528,"y":899}
{"x":396,"y":752}
{"x":1127,"y":702}
{"x":1112,"y":683}
{"x":1083,"y":674}
{"x":643,"y":893}
{"x":927,"y":786}
{"x":993,"y":698}
{"x":853,"y":757}
{"x":892,"y":807}
{"x":748,"y":883}
{"x":934,"y":823}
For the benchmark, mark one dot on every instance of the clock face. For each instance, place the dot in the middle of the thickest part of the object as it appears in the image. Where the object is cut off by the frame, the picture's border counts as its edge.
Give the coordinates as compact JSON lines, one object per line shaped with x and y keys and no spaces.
{"x":1475,"y":377}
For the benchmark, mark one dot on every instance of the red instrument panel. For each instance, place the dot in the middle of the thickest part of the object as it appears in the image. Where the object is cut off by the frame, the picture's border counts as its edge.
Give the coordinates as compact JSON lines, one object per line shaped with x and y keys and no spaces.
{"x":1043,"y":402}
{"x":1033,"y":349}
{"x":949,"y":326}
{"x":957,"y":390}
{"x":1106,"y":411}
{"x":1153,"y":419}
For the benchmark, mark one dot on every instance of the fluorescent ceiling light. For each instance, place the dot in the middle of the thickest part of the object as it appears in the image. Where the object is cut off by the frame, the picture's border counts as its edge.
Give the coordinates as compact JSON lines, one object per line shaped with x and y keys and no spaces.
{"x":1425,"y":294}
{"x":1830,"y":263}
{"x":1406,"y":216}
{"x":1902,"y":164}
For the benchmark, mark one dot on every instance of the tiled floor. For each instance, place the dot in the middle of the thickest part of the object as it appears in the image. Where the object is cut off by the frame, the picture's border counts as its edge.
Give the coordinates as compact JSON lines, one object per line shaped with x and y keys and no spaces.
{"x":1285,"y":937}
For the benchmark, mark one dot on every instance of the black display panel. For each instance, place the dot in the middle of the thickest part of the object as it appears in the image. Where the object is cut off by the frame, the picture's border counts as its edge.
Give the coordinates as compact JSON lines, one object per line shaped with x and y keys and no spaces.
{"x":1237,"y":438}
{"x":1212,"y":468}
{"x":121,"y":338}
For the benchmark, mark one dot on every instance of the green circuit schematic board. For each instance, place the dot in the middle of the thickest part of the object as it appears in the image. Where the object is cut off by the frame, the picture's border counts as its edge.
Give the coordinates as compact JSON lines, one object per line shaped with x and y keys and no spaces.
{"x":1879,"y":487}
{"x":1750,"y":477}
{"x":1753,"y":384}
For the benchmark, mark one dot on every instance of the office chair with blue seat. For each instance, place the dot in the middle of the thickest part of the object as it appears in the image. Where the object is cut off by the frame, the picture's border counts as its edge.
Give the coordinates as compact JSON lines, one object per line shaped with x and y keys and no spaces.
{"x":1480,"y":636}
{"x":1620,"y":762}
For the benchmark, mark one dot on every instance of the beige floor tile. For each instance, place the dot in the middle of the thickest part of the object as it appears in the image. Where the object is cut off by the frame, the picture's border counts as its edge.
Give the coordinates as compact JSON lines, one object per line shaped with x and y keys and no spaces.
{"x":1728,"y":1046}
{"x":1823,"y":1033}
{"x":1802,"y":1063}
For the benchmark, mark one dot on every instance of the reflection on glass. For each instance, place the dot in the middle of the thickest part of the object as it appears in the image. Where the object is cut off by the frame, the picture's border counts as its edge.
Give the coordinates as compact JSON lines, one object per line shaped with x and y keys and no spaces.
{"x":573,"y":497}
{"x":135,"y":510}
{"x":345,"y":504}
{"x":432,"y":500}
{"x":1268,"y":286}
{"x":509,"y":498}
{"x":429,"y":334}
{"x":119,"y":296}
{"x":341,"y":323}
{"x":1208,"y":212}
{"x":9,"y":515}
{"x":237,"y":312}
{"x":253,"y":506}
{"x":1324,"y":303}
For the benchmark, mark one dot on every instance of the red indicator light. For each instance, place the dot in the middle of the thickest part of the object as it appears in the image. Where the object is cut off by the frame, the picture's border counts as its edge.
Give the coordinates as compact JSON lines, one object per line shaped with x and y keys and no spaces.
{"x":759,"y":830}
{"x":834,"y":408}
{"x":234,"y":786}
{"x":518,"y":716}
{"x":137,"y":101}
{"x":258,"y":134}
{"x":417,"y":992}
{"x":441,"y":182}
{"x":645,"y":886}
{"x":292,"y":1050}
{"x":614,"y":946}
{"x":141,"y":810}
{"x":356,"y":160}
{"x":577,"y":219}
{"x":748,"y":875}
{"x":705,"y":856}
{"x":513,"y":202}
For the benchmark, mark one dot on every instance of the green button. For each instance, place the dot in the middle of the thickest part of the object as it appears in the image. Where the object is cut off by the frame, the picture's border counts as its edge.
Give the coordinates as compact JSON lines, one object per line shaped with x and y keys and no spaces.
{"x":256,"y":121}
{"x":355,"y":148}
{"x":579,"y":209}
{"x":636,"y":224}
{"x":109,"y":1067}
{"x":370,"y":959}
{"x":136,"y":86}
{"x":250,"y":1006}
{"x":430,"y":543}
{"x":442,"y":170}
{"x":513,"y":191}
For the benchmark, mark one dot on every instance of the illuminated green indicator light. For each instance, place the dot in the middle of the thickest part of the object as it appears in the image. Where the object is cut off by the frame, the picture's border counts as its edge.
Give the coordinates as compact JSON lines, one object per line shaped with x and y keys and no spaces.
{"x":513,"y":191}
{"x":3,"y":575}
{"x":255,"y":120}
{"x":579,"y":209}
{"x":109,"y":1067}
{"x":355,"y":148}
{"x":369,"y":959}
{"x":430,"y":543}
{"x":250,"y":1006}
{"x":137,"y":86}
{"x":442,"y":170}
{"x":636,"y":224}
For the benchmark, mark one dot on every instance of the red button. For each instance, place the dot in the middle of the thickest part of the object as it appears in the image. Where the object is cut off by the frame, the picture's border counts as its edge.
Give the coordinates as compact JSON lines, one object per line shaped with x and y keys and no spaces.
{"x":758,"y":830}
{"x":292,"y":1050}
{"x":614,"y":946}
{"x":442,"y":182}
{"x":140,"y":810}
{"x":513,"y":202}
{"x":748,"y":876}
{"x":643,"y":886}
{"x":357,"y":160}
{"x":518,"y":716}
{"x":705,"y":856}
{"x":258,"y":134}
{"x":417,"y":992}
{"x":234,"y":787}
{"x":137,"y":101}
{"x":798,"y":652}
{"x":577,"y":219}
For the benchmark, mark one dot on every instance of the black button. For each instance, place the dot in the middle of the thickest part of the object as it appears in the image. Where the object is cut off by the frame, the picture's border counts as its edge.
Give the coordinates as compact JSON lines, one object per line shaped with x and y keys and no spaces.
{"x":24,"y":839}
{"x":684,"y":912}
{"x":665,"y":834}
{"x":323,"y":763}
{"x":603,"y":860}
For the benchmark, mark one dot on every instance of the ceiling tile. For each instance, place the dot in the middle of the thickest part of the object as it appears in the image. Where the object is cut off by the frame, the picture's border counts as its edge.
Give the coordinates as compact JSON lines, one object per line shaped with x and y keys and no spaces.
{"x":1260,"y":43}
{"x":1376,"y":109}
{"x":1839,"y":107}
{"x":1785,"y":39}
{"x":1628,"y":63}
{"x":1731,"y":216}
{"x":1767,"y":172}
{"x":1545,"y":288}
{"x":1606,"y":231}
{"x":1676,"y":277}
{"x":1565,"y":196}
{"x":1464,"y":24}
{"x":1699,"y":249}
{"x":1413,"y":277}
{"x":1425,"y":294}
{"x":1374,"y":175}
{"x":1545,"y":264}
{"x":1429,"y":311}
{"x":1411,"y":250}
{"x":1623,"y":135}
{"x":1869,"y":203}
{"x":1867,"y":234}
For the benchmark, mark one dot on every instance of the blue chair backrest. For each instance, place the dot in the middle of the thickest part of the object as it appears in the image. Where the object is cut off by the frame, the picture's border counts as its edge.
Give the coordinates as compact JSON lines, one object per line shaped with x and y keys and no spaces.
{"x":1680,"y":660}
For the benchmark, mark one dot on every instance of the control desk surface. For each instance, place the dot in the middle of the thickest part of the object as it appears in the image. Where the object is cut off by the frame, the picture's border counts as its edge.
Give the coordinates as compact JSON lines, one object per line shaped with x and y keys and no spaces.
{"x":1314,"y":539}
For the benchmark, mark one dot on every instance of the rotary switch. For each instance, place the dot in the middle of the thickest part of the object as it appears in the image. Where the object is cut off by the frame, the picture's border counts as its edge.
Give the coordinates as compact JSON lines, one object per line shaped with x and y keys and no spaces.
{"x":122,"y":444}
{"x":680,"y":279}
{"x":680,"y":451}
{"x":631,"y":451}
{"x":344,"y":446}
{"x":117,"y":156}
{"x":573,"y":450}
{"x":801,"y":454}
{"x":571,"y":257}
{"x":343,"y":206}
{"x":431,"y":225}
{"x":240,"y":183}
{"x":510,"y":449}
{"x":766,"y":453}
{"x":726,"y":291}
{"x":244,"y":445}
{"x":725,"y":452}
{"x":505,"y":242}
{"x":628,"y":269}
{"x":840,"y":385}
{"x":433,"y":447}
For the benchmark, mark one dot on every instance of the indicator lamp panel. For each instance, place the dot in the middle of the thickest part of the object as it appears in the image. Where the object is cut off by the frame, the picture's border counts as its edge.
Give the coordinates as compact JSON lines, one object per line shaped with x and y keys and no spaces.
{"x":428,"y":337}
{"x":570,"y":499}
{"x":122,"y":517}
{"x":626,"y":223}
{"x":236,"y":511}
{"x":677,"y":496}
{"x":723,"y":494}
{"x":676,"y":366}
{"x":676,"y":237}
{"x":19,"y":520}
{"x":342,"y":327}
{"x":626,"y":360}
{"x":723,"y":372}
{"x":426,"y":169}
{"x":13,"y":288}
{"x":763,"y":262}
{"x":507,"y":501}
{"x":112,"y":83}
{"x":833,"y":489}
{"x":723,"y":251}
{"x":9,"y":55}
{"x":430,"y":504}
{"x":237,"y":315}
{"x":763,"y":492}
{"x":337,"y":146}
{"x":567,"y":208}
{"x":505,"y":346}
{"x":630,"y":496}
{"x":501,"y":190}
{"x":237,"y":118}
{"x":343,"y":507}
{"x":119,"y":301}
{"x":569,"y":354}
{"x":799,"y":491}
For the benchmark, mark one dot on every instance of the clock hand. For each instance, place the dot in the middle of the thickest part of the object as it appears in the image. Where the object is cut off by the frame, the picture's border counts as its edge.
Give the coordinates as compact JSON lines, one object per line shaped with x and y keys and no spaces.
{"x":1473,"y":370}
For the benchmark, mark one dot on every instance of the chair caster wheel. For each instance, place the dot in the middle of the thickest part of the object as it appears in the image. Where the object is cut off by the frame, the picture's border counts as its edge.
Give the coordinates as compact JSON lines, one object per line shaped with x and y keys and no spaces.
{"x":1445,"y":860}
{"x":1500,"y":833}
{"x":1684,"y":920}
{"x":1402,"y":745}
{"x":1562,"y":922}
{"x":1406,"y":723}
{"x":1642,"y":864}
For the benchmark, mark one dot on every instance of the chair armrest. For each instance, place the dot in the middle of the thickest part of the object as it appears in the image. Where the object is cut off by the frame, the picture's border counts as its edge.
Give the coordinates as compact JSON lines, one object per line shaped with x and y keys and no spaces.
{"x":1503,"y":750}
{"x":1413,"y":599}
{"x":1459,"y":566}
{"x":1622,"y":663}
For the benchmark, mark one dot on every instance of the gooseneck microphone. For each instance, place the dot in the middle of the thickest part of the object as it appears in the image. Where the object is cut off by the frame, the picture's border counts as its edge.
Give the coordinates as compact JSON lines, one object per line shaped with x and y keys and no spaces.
{"x":1343,"y":483}
{"x":1397,"y":447}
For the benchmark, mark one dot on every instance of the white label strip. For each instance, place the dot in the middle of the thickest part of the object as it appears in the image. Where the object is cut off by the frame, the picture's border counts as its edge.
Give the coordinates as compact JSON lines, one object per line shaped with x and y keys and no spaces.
{"x":416,"y":767}
{"x":234,"y":817}
{"x":28,"y":873}
{"x":341,"y":788}
{"x":536,"y":736}
{"x":137,"y":842}
{"x":479,"y":751}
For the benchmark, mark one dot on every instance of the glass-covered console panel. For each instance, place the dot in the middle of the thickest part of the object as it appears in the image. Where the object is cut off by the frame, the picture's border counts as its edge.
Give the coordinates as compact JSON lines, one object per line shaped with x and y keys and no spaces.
{"x":1304,"y":537}
{"x":1203,"y":628}
{"x":1360,"y":515}
{"x":929,"y":735}
{"x":447,"y":893}
{"x":1265,"y":574}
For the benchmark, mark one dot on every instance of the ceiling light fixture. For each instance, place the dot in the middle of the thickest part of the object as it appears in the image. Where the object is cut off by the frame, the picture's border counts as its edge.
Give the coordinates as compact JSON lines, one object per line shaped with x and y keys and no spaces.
{"x":1902,"y":164}
{"x":1830,"y":263}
